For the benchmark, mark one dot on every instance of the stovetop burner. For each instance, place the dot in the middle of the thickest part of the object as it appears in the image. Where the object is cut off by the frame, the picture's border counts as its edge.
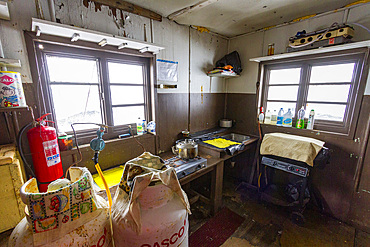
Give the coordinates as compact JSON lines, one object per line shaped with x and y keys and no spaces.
{"x":186,"y":167}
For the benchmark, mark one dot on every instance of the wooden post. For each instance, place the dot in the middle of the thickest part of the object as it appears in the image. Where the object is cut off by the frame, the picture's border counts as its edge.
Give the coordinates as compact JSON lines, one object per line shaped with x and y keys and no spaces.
{"x":129,"y":7}
{"x":216,"y":190}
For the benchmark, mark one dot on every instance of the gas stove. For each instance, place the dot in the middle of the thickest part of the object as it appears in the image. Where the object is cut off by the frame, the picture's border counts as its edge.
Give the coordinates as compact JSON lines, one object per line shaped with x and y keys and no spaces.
{"x":186,"y":167}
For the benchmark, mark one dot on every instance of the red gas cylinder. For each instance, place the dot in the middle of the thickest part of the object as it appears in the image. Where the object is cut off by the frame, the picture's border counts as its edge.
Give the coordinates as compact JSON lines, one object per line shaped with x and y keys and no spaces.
{"x":45,"y":153}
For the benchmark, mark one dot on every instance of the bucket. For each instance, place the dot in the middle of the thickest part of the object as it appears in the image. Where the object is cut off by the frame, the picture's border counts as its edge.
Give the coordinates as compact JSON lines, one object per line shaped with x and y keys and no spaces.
{"x":164,"y":221}
{"x":70,"y":216}
{"x":11,"y":89}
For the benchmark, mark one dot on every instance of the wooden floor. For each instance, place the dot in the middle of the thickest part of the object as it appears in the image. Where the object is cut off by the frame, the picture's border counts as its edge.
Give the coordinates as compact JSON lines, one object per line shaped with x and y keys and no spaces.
{"x":269,"y":225}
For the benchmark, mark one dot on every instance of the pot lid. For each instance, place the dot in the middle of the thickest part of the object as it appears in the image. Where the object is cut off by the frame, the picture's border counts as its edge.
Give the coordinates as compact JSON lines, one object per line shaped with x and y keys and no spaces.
{"x":187,"y":143}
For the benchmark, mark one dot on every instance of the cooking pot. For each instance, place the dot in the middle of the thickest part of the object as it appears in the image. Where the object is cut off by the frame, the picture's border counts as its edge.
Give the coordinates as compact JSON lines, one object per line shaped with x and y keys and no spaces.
{"x":187,"y":149}
{"x":226,"y":123}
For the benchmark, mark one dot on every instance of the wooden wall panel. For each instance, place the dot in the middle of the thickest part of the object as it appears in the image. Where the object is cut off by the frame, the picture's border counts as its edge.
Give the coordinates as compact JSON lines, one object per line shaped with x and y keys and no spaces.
{"x":205,"y":110}
{"x":24,"y":117}
{"x":172,"y":118}
{"x":360,"y":204}
{"x":242,"y":108}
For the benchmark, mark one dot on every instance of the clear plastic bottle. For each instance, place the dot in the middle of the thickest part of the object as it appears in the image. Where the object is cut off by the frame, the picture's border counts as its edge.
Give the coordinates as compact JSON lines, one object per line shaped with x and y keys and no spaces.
{"x":274,"y":118}
{"x":280,"y":117}
{"x":144,"y":126}
{"x":139,"y":127}
{"x":268,"y":117}
{"x":261,"y":117}
{"x":300,"y":119}
{"x":311,"y":120}
{"x":287,"y":119}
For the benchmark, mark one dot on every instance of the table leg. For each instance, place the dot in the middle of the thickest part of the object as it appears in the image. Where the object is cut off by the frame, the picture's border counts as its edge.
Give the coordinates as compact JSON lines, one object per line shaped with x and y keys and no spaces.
{"x":216,"y":187}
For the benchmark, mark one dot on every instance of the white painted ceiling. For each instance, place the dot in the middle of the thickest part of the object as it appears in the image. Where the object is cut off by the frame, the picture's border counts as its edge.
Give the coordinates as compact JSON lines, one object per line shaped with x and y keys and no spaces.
{"x":234,"y":17}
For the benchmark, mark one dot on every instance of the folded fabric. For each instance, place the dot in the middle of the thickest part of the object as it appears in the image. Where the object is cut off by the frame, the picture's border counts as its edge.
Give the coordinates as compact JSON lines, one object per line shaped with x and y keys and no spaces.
{"x":221,"y":143}
{"x":293,"y":147}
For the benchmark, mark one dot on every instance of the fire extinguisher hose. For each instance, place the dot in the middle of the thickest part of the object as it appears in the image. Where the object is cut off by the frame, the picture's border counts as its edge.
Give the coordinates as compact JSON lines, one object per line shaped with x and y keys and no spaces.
{"x":19,"y":144}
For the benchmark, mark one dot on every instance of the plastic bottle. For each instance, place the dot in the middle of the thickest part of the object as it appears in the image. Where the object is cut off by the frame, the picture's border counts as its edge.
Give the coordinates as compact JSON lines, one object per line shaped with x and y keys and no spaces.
{"x":311,"y":120}
{"x":144,"y":126}
{"x":274,"y":117}
{"x":139,"y":127}
{"x":151,"y":127}
{"x":287,"y":119}
{"x":261,"y":117}
{"x":268,"y":117}
{"x":300,"y":119}
{"x":280,"y":117}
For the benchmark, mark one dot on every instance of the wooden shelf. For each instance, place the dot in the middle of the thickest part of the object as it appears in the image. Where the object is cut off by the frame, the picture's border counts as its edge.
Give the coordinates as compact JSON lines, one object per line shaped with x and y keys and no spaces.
{"x":10,"y":62}
{"x":348,"y":46}
{"x":223,"y":75}
{"x":62,"y":30}
{"x":10,"y":109}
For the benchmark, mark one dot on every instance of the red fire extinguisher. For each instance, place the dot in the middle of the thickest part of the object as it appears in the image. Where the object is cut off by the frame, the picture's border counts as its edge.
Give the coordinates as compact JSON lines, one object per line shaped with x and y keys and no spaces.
{"x":45,"y":153}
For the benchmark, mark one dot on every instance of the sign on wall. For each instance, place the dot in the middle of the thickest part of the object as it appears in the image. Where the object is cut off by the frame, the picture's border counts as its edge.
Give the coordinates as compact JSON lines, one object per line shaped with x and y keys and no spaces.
{"x":167,"y":70}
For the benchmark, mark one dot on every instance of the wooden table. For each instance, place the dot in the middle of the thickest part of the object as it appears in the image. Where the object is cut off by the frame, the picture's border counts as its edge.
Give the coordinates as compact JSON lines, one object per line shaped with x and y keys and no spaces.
{"x":215,"y":164}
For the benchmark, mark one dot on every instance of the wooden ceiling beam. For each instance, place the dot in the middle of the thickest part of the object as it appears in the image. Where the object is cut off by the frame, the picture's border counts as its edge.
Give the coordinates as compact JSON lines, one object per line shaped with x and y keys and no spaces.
{"x":129,"y":7}
{"x":188,"y":10}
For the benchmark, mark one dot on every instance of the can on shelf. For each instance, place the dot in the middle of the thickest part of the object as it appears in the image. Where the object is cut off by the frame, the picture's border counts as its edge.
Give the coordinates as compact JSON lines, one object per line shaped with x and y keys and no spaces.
{"x":11,"y":90}
{"x":270,"y":50}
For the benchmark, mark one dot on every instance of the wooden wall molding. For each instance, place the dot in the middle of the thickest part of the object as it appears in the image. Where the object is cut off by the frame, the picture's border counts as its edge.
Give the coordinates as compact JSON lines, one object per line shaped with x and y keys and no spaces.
{"x":129,"y":7}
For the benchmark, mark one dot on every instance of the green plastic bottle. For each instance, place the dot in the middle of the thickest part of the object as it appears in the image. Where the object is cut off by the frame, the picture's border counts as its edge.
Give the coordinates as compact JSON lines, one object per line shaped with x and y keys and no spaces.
{"x":300,"y":119}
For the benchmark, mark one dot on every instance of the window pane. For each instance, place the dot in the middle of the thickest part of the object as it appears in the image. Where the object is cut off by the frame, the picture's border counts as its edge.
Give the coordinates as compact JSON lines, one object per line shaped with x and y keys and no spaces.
{"x":65,"y":69}
{"x":76,"y":104}
{"x":332,"y":73}
{"x":329,"y":93}
{"x":125,"y":73}
{"x":282,"y":93}
{"x":127,"y":114}
{"x":327,"y":111}
{"x":285,"y":76}
{"x":277,"y":105}
{"x":127,"y":94}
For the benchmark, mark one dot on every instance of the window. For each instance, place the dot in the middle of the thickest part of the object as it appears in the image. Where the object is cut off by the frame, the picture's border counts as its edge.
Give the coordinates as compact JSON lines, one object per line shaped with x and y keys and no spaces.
{"x":327,"y":84}
{"x":93,"y":86}
{"x":74,"y":84}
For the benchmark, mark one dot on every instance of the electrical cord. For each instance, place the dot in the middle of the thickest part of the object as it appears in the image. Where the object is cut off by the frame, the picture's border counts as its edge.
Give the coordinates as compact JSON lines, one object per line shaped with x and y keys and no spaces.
{"x":142,"y":146}
{"x":360,"y":25}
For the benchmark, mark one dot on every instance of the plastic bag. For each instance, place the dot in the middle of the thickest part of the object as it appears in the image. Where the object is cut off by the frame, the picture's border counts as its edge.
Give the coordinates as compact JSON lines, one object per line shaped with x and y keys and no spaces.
{"x":147,"y":175}
{"x":232,"y":59}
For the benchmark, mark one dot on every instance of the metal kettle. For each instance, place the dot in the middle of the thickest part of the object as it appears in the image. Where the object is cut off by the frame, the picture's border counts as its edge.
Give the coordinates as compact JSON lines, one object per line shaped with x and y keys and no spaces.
{"x":187,"y":149}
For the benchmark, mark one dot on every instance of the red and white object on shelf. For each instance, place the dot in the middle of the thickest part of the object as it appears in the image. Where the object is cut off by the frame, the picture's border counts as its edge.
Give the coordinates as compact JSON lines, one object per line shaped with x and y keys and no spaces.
{"x":11,"y":89}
